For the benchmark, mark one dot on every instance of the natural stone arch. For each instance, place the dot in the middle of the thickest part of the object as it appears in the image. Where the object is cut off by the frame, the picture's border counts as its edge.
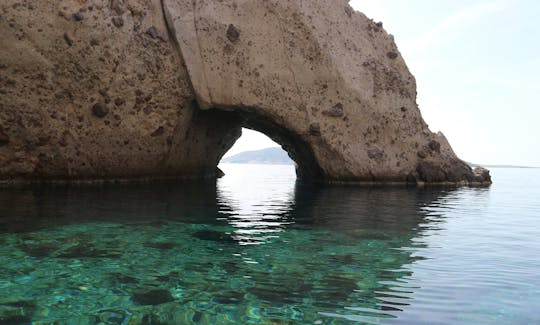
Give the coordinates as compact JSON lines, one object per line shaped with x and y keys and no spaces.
{"x":300,"y":151}
{"x":151,"y":89}
{"x":322,"y":74}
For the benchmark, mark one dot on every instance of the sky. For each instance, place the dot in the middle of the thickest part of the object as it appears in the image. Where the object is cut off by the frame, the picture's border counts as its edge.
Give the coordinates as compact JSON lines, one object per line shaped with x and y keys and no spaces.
{"x":477,"y":67}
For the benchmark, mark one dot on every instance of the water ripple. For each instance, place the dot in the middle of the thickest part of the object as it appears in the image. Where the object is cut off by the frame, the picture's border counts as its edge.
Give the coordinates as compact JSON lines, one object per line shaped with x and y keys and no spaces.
{"x":259,"y":247}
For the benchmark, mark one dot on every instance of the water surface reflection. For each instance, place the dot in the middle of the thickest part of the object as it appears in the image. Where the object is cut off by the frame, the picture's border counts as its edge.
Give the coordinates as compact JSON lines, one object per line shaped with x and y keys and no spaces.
{"x":261,"y":248}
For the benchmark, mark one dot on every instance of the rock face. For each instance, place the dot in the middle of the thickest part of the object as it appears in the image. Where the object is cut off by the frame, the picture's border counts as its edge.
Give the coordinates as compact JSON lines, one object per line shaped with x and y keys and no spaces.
{"x":83,"y":97}
{"x":134,"y":89}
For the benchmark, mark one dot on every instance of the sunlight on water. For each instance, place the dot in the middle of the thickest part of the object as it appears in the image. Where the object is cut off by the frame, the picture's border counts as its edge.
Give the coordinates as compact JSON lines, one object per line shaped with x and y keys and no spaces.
{"x":258,"y":247}
{"x":259,"y":205}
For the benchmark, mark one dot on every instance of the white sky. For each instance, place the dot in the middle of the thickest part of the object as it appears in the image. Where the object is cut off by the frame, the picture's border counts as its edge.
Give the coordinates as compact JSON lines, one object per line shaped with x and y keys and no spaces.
{"x":477,"y":65}
{"x":251,"y":140}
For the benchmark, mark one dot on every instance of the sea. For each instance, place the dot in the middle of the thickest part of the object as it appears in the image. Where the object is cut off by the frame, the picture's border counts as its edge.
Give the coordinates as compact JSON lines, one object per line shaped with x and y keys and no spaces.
{"x":257,"y":246}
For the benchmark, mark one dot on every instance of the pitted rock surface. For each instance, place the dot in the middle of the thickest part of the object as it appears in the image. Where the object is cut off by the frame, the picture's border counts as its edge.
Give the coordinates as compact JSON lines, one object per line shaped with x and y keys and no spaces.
{"x":145,"y":89}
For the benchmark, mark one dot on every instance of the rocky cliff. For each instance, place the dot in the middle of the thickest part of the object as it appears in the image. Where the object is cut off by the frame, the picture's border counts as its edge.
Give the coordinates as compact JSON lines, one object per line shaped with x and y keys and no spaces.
{"x":147,"y":89}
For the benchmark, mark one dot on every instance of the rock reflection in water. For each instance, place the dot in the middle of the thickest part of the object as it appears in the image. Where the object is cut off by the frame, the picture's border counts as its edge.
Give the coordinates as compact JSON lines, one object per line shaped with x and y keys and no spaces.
{"x":362,"y":242}
{"x":262,"y":252}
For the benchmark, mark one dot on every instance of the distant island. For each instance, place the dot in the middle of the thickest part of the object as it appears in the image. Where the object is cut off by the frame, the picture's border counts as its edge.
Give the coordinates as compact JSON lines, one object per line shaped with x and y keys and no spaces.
{"x":498,"y":166}
{"x":268,"y":156}
{"x":278,"y":156}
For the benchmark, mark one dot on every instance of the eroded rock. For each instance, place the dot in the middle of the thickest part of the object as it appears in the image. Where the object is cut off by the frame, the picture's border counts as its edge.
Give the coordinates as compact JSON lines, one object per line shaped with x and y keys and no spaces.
{"x":4,"y":138}
{"x":301,"y":73}
{"x":118,"y":6}
{"x":392,"y":55}
{"x":434,"y":145}
{"x":183,"y":80}
{"x":119,"y":101}
{"x":100,"y":110}
{"x":315,"y":129}
{"x":232,"y":33}
{"x":78,"y":16}
{"x":68,"y":39}
{"x":334,"y":111}
{"x":61,"y":68}
{"x":153,"y":32}
{"x":430,"y":172}
{"x":159,"y":131}
{"x":375,"y":153}
{"x":482,"y":174}
{"x":118,"y":21}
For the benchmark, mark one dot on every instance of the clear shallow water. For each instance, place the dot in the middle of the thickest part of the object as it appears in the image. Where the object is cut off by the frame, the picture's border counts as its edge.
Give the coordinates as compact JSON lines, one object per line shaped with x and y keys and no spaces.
{"x":258,"y":247}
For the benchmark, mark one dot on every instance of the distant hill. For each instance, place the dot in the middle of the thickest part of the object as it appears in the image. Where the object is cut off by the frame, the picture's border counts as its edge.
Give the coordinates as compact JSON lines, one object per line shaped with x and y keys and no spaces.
{"x":497,"y":166}
{"x":278,"y":156}
{"x":270,"y":156}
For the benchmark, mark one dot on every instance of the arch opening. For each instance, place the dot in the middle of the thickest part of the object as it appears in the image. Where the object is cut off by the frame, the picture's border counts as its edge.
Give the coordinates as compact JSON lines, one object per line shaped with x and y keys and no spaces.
{"x":254,"y":147}
{"x":299,"y":150}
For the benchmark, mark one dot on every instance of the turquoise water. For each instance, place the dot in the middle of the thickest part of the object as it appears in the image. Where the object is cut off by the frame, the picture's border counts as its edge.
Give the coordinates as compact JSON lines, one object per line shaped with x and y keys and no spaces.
{"x":257,"y":247}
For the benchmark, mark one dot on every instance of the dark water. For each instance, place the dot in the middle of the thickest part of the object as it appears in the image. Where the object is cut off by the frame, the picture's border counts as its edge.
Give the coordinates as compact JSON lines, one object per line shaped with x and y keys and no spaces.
{"x":259,"y":248}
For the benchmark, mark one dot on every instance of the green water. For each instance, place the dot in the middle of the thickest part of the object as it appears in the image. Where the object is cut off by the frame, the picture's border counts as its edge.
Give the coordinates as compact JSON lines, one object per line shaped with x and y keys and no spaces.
{"x":259,"y":248}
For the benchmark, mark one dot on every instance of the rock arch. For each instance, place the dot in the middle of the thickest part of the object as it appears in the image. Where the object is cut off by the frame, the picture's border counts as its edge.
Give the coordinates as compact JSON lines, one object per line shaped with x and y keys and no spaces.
{"x":147,"y":89}
{"x":299,"y":150}
{"x":321,"y":77}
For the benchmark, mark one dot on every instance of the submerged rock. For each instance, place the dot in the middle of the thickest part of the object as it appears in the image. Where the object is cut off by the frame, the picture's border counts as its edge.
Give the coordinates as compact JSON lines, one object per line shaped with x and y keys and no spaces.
{"x":87,"y":251}
{"x":334,"y":288}
{"x":213,"y":235}
{"x":16,"y":312}
{"x":229,"y":298}
{"x":124,"y":279}
{"x":152,"y":297}
{"x":161,"y":245}
{"x":230,"y":267}
{"x":323,"y":80}
{"x":13,"y":316}
{"x":38,"y":250}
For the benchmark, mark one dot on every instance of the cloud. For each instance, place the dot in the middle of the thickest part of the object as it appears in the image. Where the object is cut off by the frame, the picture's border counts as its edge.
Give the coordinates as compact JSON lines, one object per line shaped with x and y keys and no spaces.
{"x":460,"y":19}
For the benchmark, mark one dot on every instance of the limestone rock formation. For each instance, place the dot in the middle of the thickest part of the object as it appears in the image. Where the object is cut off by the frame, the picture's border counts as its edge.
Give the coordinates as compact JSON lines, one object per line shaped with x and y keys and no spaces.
{"x":136,"y":89}
{"x":84,"y":96}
